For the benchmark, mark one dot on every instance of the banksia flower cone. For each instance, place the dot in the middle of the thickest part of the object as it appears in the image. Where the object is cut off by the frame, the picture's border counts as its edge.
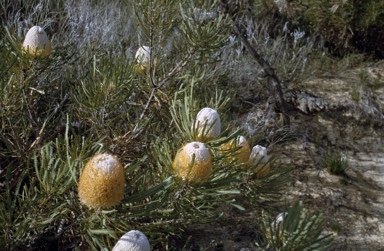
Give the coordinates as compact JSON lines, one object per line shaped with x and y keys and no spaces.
{"x":102,"y":182}
{"x":193,"y":162}
{"x":277,"y":227}
{"x":242,"y":154}
{"x":36,"y":42}
{"x":143,"y":58}
{"x":133,"y":240}
{"x":208,"y":124}
{"x":259,"y":157}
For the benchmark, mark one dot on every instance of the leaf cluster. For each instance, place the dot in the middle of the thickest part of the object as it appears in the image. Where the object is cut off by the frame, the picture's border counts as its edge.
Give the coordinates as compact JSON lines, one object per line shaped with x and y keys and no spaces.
{"x":335,"y":162}
{"x":299,"y":229}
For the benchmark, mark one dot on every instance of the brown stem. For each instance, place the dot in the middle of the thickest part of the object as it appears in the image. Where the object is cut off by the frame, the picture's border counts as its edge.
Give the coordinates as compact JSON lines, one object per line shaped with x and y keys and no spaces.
{"x":269,"y":70}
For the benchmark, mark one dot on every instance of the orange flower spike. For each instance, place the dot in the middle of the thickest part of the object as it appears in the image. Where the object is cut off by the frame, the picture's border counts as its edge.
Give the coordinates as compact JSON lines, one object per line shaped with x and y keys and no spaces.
{"x":193,"y":162}
{"x":243,"y":153}
{"x":102,"y":182}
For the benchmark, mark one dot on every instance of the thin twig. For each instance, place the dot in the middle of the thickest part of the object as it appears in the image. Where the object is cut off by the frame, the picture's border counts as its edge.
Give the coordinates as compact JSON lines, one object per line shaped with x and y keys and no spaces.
{"x":268,"y":69}
{"x":270,"y":72}
{"x":170,"y":75}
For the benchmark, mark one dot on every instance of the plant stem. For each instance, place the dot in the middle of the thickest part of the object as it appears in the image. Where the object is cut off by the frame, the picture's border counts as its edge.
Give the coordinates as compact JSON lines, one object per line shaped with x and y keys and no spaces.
{"x":270,"y":73}
{"x":268,"y":69}
{"x":157,"y":86}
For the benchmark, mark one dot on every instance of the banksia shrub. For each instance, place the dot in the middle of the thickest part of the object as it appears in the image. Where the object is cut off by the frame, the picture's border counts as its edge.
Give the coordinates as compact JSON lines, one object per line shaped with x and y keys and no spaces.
{"x":36,"y":42}
{"x":193,"y":162}
{"x":242,"y":153}
{"x":102,"y":182}
{"x":143,"y":58}
{"x":133,"y":240}
{"x":207,"y":124}
{"x":259,"y":157}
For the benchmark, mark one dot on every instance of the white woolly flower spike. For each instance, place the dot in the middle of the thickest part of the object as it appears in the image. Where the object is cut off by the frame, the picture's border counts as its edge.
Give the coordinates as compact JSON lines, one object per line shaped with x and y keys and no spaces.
{"x":280,"y":217}
{"x":259,"y":153}
{"x":102,"y":182}
{"x":143,"y":58}
{"x":36,"y":42}
{"x":133,"y":240}
{"x":259,"y":157}
{"x":241,"y":141}
{"x":208,"y":124}
{"x":277,"y":225}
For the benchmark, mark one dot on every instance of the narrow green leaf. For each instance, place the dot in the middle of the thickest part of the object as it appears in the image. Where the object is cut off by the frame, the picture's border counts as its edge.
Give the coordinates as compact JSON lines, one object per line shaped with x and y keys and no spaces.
{"x":102,"y":231}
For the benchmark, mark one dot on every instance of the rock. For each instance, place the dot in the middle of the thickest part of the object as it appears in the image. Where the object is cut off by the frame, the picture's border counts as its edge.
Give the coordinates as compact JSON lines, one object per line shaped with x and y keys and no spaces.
{"x":305,"y":101}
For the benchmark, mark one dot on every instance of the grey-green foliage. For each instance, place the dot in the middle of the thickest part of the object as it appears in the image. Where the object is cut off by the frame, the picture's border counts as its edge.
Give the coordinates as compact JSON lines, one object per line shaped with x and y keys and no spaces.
{"x":298,"y":229}
{"x":105,"y":100}
{"x":33,"y":95}
{"x":43,"y":194}
{"x":178,"y":37}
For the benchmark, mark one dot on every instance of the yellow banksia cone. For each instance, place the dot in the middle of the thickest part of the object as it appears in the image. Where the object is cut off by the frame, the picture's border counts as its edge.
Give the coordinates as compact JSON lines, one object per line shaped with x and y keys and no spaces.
{"x":193,"y":162}
{"x":208,"y":124}
{"x":133,"y":240}
{"x":36,"y":42}
{"x":102,"y":181}
{"x":242,"y":154}
{"x":259,"y":157}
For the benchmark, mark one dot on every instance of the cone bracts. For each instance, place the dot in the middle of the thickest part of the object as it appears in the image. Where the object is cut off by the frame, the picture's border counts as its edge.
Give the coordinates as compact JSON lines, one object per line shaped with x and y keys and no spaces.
{"x":242,"y":154}
{"x":207,"y":124}
{"x":259,"y":157}
{"x":36,"y":42}
{"x":133,"y":240}
{"x":193,"y":162}
{"x":102,"y":182}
